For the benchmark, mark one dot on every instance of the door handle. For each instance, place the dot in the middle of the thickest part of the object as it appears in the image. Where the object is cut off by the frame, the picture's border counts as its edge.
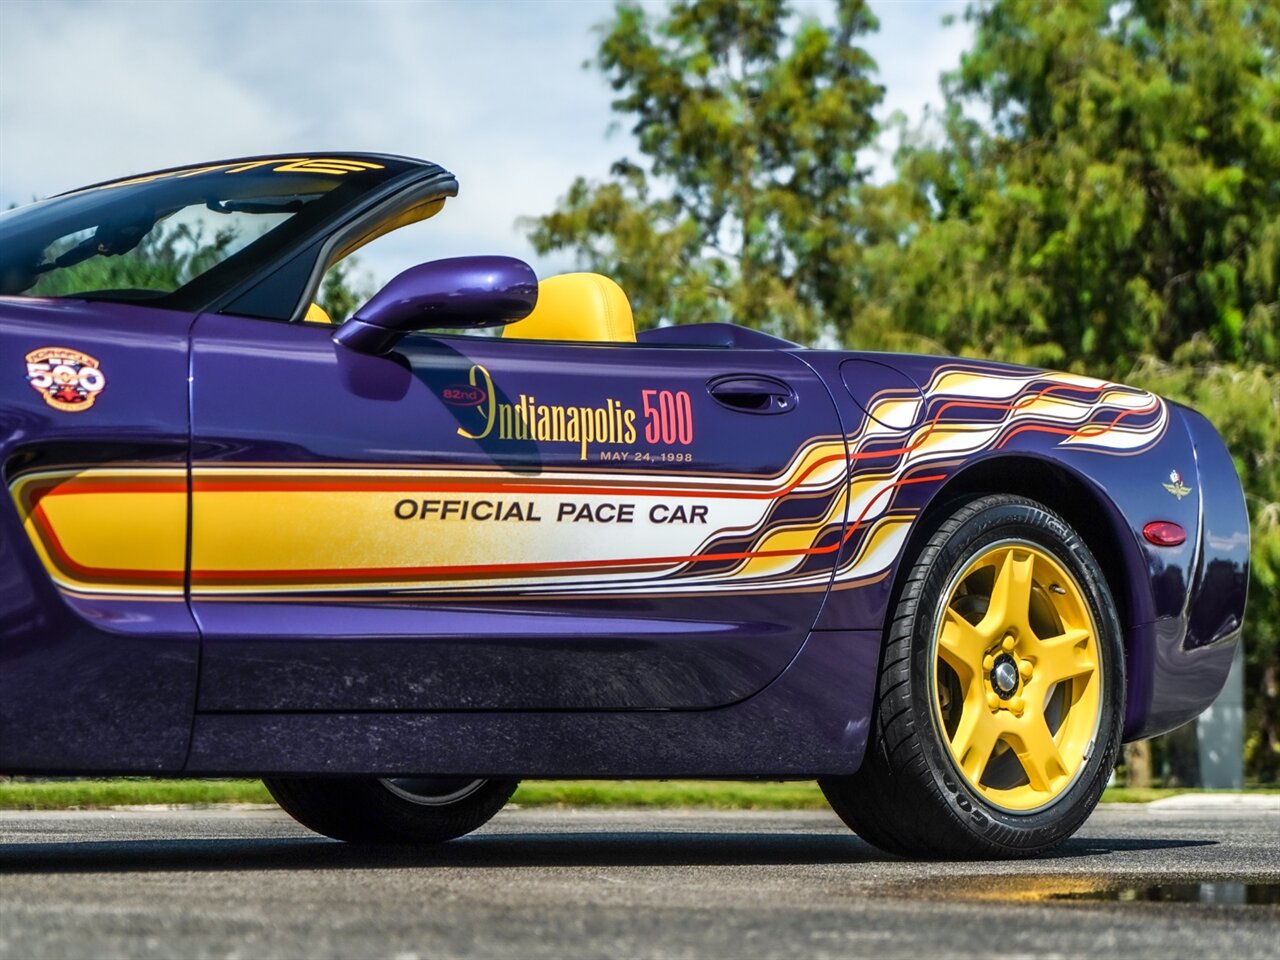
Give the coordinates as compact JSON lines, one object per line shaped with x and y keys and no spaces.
{"x":753,"y":394}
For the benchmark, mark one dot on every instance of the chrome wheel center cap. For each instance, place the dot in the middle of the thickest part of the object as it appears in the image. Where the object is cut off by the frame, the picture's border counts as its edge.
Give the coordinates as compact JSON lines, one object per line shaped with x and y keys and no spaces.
{"x":1004,"y":677}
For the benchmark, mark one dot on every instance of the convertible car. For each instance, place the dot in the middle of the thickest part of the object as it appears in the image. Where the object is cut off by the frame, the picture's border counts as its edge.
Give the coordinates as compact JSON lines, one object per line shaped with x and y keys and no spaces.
{"x":394,"y":562}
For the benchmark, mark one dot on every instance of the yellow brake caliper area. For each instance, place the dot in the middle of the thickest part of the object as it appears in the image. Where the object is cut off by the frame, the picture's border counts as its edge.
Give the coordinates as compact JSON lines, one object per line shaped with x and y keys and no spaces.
{"x":1017,"y":676}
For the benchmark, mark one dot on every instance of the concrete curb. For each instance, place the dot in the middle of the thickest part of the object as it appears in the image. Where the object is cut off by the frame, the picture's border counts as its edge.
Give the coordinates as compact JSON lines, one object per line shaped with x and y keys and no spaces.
{"x":1217,"y":801}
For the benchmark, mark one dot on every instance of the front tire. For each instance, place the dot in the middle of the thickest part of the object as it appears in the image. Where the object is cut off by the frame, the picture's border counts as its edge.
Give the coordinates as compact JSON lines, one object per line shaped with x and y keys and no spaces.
{"x":1001,"y":692}
{"x":402,"y":810}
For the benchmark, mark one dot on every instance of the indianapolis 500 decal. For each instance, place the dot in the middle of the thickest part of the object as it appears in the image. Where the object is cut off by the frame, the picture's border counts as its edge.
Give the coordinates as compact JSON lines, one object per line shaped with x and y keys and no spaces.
{"x":843,"y":501}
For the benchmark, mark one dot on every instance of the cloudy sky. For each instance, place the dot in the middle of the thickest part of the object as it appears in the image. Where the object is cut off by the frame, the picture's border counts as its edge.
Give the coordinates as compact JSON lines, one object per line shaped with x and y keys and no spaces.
{"x":492,"y":89}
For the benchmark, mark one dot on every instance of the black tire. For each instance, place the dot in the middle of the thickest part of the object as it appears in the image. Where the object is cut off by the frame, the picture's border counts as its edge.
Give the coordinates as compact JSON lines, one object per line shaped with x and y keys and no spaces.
{"x":911,"y":796}
{"x":370,"y":810}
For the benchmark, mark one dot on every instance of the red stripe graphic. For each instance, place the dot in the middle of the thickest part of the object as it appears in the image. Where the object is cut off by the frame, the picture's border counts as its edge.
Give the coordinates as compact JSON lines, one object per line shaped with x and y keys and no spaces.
{"x":463,"y":570}
{"x":37,"y":490}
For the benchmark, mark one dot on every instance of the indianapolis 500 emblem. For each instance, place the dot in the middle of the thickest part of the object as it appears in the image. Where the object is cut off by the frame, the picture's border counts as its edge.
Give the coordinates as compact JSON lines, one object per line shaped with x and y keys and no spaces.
{"x":67,"y":379}
{"x":1176,"y":486}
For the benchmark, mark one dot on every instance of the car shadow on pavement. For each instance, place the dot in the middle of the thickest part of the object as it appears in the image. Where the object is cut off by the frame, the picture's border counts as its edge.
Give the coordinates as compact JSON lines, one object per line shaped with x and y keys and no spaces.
{"x":502,"y":850}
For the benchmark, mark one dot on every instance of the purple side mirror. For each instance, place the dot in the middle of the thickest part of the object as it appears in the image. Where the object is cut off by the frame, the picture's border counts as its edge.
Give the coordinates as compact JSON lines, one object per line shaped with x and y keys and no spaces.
{"x":463,"y":292}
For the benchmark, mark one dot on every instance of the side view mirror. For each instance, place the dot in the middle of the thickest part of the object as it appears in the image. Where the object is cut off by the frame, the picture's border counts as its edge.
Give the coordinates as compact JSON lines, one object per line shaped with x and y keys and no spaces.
{"x":462,"y":292}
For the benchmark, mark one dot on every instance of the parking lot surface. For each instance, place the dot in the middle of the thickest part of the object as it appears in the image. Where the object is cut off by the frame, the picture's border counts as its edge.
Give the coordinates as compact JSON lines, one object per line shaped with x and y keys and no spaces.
{"x":630,"y":883}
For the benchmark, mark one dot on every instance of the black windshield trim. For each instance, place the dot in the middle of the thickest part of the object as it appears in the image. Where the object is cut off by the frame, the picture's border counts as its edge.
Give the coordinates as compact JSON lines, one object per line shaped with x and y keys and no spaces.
{"x":260,"y":158}
{"x":254,"y":264}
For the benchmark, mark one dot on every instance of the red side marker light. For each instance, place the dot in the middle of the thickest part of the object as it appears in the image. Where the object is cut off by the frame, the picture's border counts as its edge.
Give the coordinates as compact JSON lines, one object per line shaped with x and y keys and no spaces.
{"x":1164,"y":533}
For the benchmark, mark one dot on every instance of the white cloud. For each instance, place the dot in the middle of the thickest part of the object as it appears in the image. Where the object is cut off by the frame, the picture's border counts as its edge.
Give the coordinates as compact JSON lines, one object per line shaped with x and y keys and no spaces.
{"x":86,"y":94}
{"x":913,"y":49}
{"x":493,"y":90}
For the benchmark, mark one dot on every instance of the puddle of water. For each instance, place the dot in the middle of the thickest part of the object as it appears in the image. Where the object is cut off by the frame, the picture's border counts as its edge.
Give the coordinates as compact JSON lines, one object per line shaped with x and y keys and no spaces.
{"x":1226,"y":893}
{"x":1247,"y":892}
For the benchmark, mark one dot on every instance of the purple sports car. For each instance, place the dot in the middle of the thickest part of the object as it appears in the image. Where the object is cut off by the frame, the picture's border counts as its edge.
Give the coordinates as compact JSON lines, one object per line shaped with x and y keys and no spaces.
{"x":392,"y":563}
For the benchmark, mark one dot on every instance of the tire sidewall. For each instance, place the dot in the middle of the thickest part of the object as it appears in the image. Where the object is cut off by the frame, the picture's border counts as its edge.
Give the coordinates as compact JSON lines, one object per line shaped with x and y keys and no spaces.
{"x":364,"y":810}
{"x":426,"y":823}
{"x":989,"y":523}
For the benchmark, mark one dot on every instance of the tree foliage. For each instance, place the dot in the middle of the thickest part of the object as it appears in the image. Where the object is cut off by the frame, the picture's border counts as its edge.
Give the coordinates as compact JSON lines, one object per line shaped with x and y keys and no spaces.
{"x":166,"y":259}
{"x":750,"y":121}
{"x":170,"y":256}
{"x":1108,"y":186}
{"x":345,"y":288}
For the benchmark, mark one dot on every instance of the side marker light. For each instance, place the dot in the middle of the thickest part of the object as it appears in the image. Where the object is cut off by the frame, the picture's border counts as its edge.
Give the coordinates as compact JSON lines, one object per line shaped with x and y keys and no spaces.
{"x":1164,"y":533}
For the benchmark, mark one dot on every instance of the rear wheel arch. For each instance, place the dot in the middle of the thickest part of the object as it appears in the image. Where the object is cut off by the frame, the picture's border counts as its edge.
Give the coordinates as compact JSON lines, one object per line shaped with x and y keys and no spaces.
{"x":1065,"y":493}
{"x":916,"y":793}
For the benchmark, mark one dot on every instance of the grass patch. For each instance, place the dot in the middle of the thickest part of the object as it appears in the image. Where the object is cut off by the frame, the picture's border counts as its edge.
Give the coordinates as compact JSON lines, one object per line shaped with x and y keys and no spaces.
{"x":95,"y":794}
{"x":703,"y":794}
{"x":698,"y":794}
{"x":1139,"y":794}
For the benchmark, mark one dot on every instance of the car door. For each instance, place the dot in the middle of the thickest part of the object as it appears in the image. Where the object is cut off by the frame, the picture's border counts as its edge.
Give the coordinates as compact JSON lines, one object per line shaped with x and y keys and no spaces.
{"x":99,"y":650}
{"x":480,"y":523}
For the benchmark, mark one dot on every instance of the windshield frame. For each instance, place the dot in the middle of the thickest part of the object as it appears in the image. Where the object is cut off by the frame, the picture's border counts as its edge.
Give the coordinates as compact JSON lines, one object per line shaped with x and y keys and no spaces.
{"x":258,"y":259}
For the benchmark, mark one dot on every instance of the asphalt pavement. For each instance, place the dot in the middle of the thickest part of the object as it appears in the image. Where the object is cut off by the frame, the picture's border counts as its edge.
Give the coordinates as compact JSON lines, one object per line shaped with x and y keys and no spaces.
{"x":604,"y":883}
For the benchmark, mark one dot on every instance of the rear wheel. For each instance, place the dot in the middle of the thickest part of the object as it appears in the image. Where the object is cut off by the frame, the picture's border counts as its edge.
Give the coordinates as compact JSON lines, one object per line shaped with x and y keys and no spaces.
{"x":391,"y":810}
{"x":1001,"y":692}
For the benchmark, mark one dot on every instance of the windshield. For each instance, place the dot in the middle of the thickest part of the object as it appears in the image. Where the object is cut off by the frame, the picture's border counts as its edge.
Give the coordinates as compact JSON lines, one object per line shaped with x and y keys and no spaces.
{"x":148,"y":238}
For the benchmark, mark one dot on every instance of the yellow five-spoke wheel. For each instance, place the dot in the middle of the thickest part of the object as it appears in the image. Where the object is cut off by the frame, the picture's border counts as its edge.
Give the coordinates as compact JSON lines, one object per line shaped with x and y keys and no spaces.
{"x":1016,"y":674}
{"x":1001,"y":693}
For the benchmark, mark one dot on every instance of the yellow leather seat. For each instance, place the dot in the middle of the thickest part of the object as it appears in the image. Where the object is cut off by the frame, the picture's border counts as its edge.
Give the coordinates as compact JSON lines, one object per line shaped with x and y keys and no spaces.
{"x":577,"y":306}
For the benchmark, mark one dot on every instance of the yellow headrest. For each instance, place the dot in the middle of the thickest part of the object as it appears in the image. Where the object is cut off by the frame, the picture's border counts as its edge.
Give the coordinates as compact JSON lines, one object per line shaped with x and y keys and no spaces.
{"x":577,"y":306}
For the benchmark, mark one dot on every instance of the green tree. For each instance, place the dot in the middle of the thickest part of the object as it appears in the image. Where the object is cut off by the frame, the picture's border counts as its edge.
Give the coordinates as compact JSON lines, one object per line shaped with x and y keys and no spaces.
{"x":1105,"y":196}
{"x":344,"y":289}
{"x":170,"y":256}
{"x":1108,"y":186}
{"x":750,"y":121}
{"x":164,"y":260}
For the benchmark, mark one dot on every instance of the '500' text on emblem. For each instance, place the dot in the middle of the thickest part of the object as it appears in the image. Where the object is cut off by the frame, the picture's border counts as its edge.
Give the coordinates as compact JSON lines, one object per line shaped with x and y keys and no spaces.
{"x":67,"y":379}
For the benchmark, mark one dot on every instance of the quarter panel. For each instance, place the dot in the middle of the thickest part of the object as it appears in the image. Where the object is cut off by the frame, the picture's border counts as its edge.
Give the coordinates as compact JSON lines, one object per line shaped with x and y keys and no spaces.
{"x":1126,"y":451}
{"x":1115,"y":440}
{"x":1189,"y":652}
{"x":1221,"y":584}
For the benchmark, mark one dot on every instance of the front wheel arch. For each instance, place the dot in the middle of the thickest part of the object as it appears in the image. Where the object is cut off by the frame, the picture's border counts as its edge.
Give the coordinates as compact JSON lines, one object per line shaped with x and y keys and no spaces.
{"x":380,"y":810}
